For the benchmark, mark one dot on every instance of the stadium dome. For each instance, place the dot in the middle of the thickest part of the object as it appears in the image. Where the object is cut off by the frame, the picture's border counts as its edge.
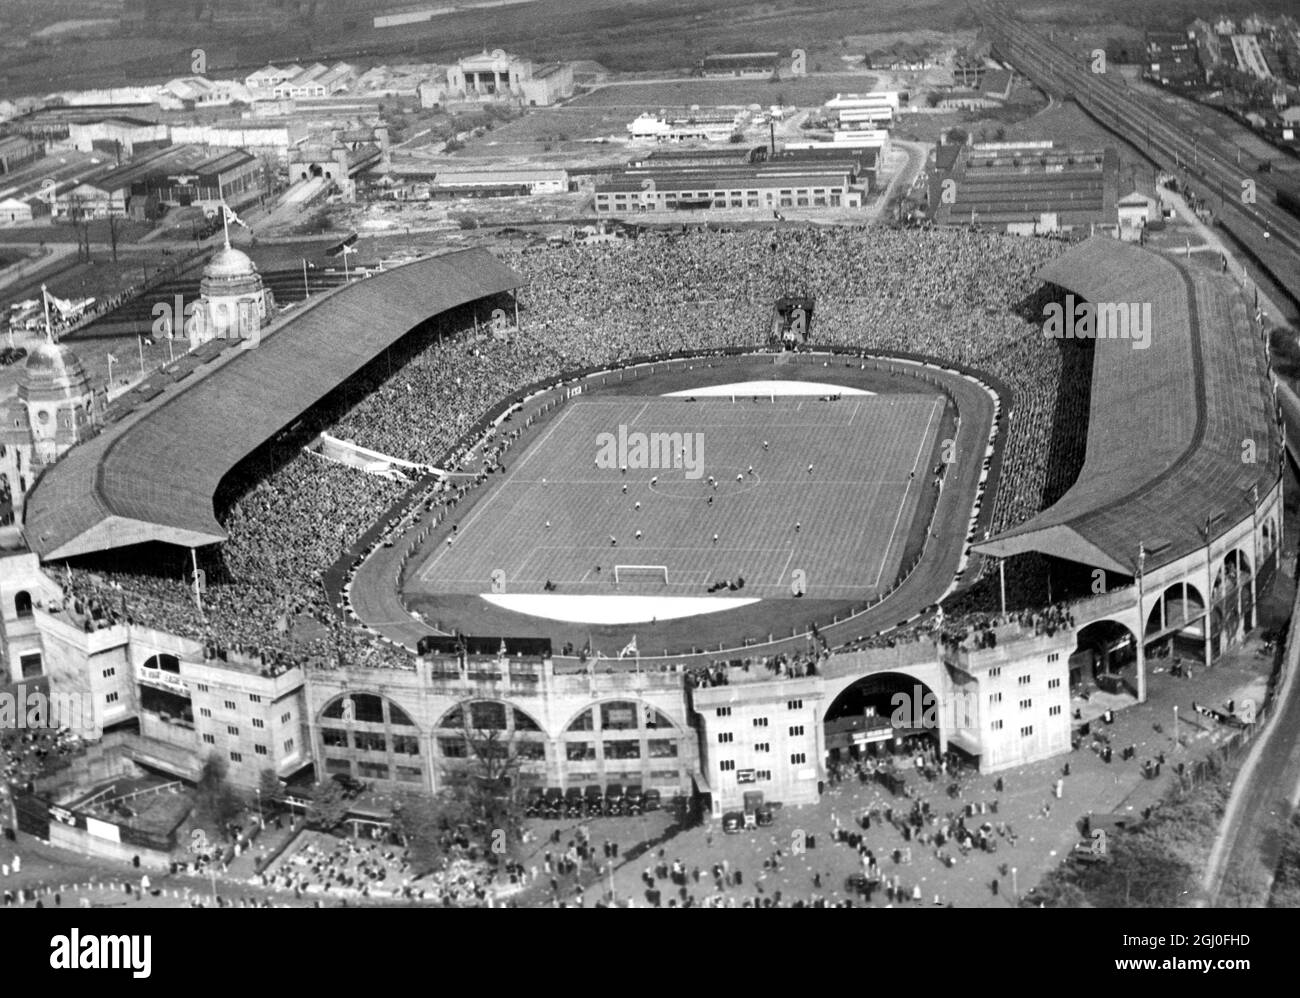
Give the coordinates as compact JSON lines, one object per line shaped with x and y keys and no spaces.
{"x":54,"y":367}
{"x":230,"y":272}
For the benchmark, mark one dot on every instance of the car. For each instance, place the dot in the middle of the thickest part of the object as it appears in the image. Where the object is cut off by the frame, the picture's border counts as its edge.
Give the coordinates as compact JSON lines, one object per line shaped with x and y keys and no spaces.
{"x":553,"y":803}
{"x":653,"y":800}
{"x":733,"y":822}
{"x":635,"y":800}
{"x":594,"y":799}
{"x":614,"y":798}
{"x":533,"y":803}
{"x":573,"y":803}
{"x":764,"y":814}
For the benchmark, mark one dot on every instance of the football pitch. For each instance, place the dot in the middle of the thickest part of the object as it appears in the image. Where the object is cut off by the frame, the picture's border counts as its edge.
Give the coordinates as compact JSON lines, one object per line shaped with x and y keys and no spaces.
{"x":786,"y":494}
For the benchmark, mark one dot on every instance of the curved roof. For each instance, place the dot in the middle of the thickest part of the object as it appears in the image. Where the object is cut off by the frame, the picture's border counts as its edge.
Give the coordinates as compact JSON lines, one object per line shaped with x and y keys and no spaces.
{"x":1167,"y":424}
{"x":152,"y":473}
{"x":54,"y":365}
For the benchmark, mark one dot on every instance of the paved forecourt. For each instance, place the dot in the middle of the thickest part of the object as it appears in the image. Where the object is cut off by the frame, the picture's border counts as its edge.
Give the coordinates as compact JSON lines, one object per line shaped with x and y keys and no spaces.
{"x":832,"y":495}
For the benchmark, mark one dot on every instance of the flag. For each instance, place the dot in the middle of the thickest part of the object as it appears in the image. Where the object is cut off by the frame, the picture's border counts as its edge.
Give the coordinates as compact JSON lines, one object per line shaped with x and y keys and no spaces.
{"x":230,"y":215}
{"x":629,"y":648}
{"x":282,"y":623}
{"x":349,"y":250}
{"x":112,"y":359}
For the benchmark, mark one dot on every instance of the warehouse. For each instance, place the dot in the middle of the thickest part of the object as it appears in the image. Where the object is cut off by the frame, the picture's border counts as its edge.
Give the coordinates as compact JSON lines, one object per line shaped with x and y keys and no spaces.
{"x":805,"y":185}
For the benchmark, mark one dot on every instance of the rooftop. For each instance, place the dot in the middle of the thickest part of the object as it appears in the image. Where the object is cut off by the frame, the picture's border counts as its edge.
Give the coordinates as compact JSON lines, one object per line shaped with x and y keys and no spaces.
{"x":1164,"y":440}
{"x":151,"y":475}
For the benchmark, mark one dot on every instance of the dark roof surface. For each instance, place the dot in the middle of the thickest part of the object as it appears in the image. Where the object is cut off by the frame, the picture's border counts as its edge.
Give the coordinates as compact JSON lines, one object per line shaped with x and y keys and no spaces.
{"x":1166,"y":424}
{"x":151,"y":475}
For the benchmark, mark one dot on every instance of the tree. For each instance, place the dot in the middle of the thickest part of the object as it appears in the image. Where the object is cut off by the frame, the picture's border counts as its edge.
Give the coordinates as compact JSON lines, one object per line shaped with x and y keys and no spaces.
{"x":270,"y":790}
{"x":428,"y":827}
{"x":329,"y":806}
{"x":215,"y":802}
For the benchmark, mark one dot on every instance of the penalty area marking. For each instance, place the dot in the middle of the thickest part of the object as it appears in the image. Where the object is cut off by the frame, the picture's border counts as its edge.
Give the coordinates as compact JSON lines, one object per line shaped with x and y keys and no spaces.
{"x":577,"y":609}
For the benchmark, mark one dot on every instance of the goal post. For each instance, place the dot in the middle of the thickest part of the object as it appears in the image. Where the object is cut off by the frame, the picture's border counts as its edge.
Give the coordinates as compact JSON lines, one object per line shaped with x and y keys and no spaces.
{"x":624,"y":572}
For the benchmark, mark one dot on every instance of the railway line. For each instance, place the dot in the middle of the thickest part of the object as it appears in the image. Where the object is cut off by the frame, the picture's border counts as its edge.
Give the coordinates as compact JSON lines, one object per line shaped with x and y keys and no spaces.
{"x":1250,"y":212}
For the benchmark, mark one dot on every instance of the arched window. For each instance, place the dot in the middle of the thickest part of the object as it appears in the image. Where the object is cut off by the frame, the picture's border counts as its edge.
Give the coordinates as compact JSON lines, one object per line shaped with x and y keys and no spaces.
{"x":167,"y":663}
{"x":23,"y":603}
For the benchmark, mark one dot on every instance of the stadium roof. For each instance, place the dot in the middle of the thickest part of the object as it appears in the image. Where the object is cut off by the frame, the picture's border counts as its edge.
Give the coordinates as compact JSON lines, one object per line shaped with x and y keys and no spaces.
{"x":151,"y":475}
{"x":1166,"y":424}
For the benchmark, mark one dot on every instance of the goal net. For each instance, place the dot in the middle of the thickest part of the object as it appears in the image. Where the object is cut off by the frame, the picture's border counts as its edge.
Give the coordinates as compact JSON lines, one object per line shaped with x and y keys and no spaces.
{"x":626,"y":573}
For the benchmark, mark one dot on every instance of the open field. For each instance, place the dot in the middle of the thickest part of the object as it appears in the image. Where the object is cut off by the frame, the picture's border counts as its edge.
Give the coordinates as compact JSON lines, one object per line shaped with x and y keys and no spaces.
{"x":807,"y":91}
{"x":842,"y":470}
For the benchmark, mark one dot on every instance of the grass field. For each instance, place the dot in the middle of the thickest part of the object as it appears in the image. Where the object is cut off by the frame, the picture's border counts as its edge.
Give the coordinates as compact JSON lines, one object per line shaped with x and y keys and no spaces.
{"x":855,"y":507}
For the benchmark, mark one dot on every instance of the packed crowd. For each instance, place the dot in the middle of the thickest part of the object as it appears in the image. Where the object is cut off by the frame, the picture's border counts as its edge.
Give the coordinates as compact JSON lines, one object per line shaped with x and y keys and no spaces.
{"x":961,"y":296}
{"x":27,"y":753}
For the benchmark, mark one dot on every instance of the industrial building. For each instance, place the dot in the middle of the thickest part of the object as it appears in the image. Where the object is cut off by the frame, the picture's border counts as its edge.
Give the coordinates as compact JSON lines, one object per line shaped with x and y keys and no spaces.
{"x":18,"y":150}
{"x":1025,"y":188}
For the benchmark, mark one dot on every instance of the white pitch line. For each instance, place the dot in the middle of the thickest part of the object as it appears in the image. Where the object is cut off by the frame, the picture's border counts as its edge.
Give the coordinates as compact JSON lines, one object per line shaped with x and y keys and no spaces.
{"x":906,"y":491}
{"x":781,"y":578}
{"x":495,"y":494}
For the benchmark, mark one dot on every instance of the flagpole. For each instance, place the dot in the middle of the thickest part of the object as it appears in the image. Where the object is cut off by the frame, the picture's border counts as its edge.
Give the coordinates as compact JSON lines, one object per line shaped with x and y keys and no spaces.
{"x":45,"y":300}
{"x":140,"y":343}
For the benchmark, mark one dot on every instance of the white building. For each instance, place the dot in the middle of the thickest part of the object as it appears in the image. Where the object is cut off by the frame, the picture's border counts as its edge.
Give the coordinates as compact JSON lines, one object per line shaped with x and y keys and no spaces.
{"x":651,"y":127}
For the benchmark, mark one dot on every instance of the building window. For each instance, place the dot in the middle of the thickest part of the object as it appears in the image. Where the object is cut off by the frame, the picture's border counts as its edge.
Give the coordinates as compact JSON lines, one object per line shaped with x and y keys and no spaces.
{"x":722,"y":712}
{"x":1026,"y":731}
{"x":725,"y":737}
{"x":334,"y":737}
{"x":994,"y":673}
{"x":231,"y":729}
{"x":230,"y":705}
{"x":110,"y":672}
{"x":579,"y":751}
{"x":406,"y":745}
{"x":205,"y":712}
{"x":763,"y":747}
{"x":258,"y":723}
{"x":760,"y":722}
{"x":203,"y":687}
{"x":284,"y":718}
{"x":111,"y":698}
{"x":1026,"y":704}
{"x":727,"y":765}
{"x":453,"y":748}
{"x":662,"y":748}
{"x":288,"y":744}
{"x":798,"y":759}
{"x":627,"y":749}
{"x":254,"y":698}
{"x":796,"y":730}
{"x":260,"y":749}
{"x":1054,"y":711}
{"x":1024,"y":680}
{"x":373,"y":770}
{"x":1053,"y":684}
{"x":996,"y":725}
{"x":994,"y":698}
{"x":794,"y":705}
{"x":764,"y":775}
{"x":210,"y":739}
{"x":1054,"y":657}
{"x":410,"y":774}
{"x":236,"y":757}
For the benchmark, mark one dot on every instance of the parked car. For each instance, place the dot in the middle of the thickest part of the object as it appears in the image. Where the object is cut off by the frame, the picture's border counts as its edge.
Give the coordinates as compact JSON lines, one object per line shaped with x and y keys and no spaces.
{"x":634,"y":802}
{"x":533,"y":803}
{"x":553,"y":803}
{"x":614,"y":798}
{"x":352,"y":787}
{"x":653,"y":800}
{"x":573,"y":802}
{"x":764,"y":814}
{"x":594,"y":800}
{"x":733,"y":822}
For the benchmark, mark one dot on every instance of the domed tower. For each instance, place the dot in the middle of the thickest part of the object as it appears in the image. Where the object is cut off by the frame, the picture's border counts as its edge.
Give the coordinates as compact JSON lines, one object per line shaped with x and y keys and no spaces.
{"x":233,"y":304}
{"x":51,"y":411}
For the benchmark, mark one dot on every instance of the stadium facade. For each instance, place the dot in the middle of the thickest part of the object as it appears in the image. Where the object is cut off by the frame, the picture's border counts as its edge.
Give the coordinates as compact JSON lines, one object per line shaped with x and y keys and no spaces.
{"x":1177,"y":512}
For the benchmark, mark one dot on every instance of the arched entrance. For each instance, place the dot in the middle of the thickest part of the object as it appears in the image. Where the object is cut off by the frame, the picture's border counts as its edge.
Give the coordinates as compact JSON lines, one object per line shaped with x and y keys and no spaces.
{"x":881,"y":713}
{"x":1105,"y":657}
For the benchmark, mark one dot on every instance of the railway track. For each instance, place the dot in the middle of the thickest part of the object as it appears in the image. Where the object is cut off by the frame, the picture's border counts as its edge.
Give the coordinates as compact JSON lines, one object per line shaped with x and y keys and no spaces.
{"x":1250,"y":212}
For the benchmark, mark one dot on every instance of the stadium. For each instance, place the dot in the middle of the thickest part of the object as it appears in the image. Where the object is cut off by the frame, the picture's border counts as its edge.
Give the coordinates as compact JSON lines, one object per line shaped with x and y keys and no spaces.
{"x":909,"y":497}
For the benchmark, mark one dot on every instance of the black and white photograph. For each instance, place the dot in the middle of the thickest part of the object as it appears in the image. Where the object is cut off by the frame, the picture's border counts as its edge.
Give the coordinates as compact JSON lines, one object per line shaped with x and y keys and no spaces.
{"x":651,"y":454}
